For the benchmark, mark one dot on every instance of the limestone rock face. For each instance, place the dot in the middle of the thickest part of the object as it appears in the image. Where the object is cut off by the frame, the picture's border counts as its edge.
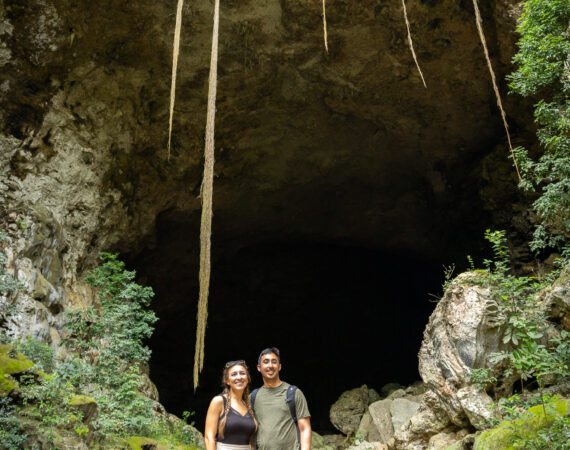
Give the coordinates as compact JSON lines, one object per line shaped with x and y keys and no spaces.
{"x":380,"y":413}
{"x":401,"y":411}
{"x":477,"y":406}
{"x":430,"y":419}
{"x":558,"y":300}
{"x":461,"y":334}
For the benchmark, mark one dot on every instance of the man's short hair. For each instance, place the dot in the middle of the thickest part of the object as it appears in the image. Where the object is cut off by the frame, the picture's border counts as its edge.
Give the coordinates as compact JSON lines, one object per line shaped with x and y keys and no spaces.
{"x":268,"y":350}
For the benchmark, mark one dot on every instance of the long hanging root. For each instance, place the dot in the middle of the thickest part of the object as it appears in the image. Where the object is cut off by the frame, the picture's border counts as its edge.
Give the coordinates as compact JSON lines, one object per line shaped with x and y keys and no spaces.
{"x":175,"y":51}
{"x":207,"y":189}
{"x":325,"y":27}
{"x":412,"y":44}
{"x":479,"y":22}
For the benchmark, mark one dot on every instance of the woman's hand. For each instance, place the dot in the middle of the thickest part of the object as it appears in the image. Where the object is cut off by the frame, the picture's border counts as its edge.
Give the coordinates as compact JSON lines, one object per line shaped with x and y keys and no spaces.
{"x":212,"y":417}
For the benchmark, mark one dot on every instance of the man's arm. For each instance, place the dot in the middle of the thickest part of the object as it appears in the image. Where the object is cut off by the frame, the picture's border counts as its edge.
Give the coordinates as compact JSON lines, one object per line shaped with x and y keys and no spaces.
{"x":306,"y":432}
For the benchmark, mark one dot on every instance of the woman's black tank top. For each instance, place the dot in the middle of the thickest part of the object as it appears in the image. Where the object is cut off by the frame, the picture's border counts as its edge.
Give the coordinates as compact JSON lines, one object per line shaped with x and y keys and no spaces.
{"x":238,"y":429}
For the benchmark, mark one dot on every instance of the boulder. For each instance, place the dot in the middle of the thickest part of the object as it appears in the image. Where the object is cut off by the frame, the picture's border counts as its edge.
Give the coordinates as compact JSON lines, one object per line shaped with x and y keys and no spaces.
{"x":401,"y":411}
{"x":89,"y":411}
{"x":477,"y":405}
{"x":382,"y":419}
{"x":461,"y":334}
{"x":388,"y":388}
{"x":430,"y":419}
{"x":87,"y":406}
{"x":148,"y":388}
{"x":318,"y":443}
{"x":442,"y":441}
{"x":334,"y":441}
{"x":367,"y":429}
{"x":373,"y":396}
{"x":367,"y":446}
{"x":557,"y":300}
{"x":398,"y":393}
{"x":346,"y":412}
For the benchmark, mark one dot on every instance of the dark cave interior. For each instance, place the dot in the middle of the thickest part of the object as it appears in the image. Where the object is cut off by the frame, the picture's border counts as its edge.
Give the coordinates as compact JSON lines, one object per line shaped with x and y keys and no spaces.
{"x":342,"y":314}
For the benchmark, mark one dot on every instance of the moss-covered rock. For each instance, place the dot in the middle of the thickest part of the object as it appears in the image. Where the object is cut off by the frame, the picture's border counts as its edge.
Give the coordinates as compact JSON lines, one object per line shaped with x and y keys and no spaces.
{"x":11,"y":363}
{"x":501,"y":437}
{"x":87,"y":406}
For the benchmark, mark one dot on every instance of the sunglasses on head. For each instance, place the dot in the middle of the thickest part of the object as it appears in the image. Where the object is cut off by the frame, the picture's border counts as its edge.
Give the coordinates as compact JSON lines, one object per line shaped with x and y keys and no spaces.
{"x":241,"y":362}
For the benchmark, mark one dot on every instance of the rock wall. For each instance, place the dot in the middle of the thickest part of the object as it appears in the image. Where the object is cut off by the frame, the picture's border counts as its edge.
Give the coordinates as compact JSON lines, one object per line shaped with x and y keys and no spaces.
{"x":83,"y":115}
{"x":387,"y":163}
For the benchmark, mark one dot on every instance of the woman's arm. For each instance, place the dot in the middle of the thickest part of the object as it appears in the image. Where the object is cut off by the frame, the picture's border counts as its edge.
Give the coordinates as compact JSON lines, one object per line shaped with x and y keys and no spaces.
{"x":212,"y":418}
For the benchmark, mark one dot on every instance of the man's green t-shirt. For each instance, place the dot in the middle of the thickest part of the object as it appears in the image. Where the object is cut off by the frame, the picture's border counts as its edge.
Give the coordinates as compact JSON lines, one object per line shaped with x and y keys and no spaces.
{"x":277,"y":430}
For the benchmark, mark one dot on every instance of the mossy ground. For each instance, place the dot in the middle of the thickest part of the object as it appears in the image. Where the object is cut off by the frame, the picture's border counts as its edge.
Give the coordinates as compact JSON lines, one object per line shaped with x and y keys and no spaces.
{"x":535,"y":419}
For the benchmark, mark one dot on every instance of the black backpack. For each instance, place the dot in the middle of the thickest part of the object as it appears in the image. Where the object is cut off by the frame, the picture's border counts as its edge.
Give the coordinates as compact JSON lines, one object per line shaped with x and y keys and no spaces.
{"x":290,"y":400}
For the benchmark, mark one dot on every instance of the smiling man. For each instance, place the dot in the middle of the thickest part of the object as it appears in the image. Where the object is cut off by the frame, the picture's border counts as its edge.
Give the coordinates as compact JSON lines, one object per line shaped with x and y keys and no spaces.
{"x":281,"y":409}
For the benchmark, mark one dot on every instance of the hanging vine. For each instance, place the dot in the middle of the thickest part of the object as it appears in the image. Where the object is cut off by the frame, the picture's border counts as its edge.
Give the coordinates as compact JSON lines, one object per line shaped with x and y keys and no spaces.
{"x":412,"y":44}
{"x":479,"y":22}
{"x":325,"y":27}
{"x":175,"y":52}
{"x":206,"y":191}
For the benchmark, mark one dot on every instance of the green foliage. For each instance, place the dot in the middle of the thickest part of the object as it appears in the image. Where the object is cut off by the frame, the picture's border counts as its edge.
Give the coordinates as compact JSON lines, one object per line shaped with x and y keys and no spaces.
{"x":109,"y":340}
{"x":501,"y":262}
{"x":42,"y":355}
{"x":8,"y":283}
{"x":107,"y":348}
{"x":516,"y":405}
{"x":447,"y":275}
{"x":176,"y":431}
{"x":535,"y":354}
{"x":12,"y":434}
{"x":544,"y":426}
{"x":552,"y":431}
{"x":481,"y":378}
{"x":116,"y":330}
{"x":544,"y":69}
{"x":556,"y":436}
{"x":47,"y":401}
{"x":519,"y":309}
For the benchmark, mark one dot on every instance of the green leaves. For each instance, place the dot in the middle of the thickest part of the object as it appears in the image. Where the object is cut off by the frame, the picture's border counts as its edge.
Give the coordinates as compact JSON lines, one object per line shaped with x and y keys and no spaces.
{"x":544,"y":69}
{"x":119,"y":327}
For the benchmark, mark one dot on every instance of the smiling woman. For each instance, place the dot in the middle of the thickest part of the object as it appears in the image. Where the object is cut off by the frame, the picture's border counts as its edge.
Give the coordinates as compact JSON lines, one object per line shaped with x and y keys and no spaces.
{"x":230,"y":422}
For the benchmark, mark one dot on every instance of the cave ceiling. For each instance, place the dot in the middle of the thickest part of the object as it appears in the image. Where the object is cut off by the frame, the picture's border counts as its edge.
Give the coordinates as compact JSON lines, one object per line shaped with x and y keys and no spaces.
{"x":346,"y":145}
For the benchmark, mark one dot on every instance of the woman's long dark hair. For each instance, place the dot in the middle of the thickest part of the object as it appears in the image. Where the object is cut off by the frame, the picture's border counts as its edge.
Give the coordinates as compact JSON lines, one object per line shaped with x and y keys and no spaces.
{"x":227,"y":396}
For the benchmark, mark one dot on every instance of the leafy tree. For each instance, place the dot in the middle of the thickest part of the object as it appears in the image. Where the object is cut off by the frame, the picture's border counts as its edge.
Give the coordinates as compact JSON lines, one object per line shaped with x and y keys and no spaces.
{"x":544,"y":70}
{"x":110,"y":340}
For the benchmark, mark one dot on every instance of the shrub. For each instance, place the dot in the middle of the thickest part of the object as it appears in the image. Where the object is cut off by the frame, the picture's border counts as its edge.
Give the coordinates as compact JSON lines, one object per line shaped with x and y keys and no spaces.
{"x":12,"y":434}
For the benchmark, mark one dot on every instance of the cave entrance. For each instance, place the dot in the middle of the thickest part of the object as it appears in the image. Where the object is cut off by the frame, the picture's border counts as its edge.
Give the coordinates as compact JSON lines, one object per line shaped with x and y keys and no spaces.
{"x":342,"y":314}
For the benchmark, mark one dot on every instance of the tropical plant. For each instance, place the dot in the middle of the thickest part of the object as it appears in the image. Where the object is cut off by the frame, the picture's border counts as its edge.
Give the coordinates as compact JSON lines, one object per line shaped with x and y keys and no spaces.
{"x":544,"y":70}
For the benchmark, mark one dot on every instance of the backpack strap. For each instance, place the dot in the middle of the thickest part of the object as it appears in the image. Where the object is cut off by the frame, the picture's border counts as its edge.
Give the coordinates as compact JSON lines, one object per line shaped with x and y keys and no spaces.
{"x":290,"y":400}
{"x":252,"y":398}
{"x":252,"y":401}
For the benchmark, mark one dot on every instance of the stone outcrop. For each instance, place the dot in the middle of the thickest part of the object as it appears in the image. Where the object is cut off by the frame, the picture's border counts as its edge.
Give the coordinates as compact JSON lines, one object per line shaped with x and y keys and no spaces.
{"x":461,"y":334}
{"x":557,"y":300}
{"x":429,"y":420}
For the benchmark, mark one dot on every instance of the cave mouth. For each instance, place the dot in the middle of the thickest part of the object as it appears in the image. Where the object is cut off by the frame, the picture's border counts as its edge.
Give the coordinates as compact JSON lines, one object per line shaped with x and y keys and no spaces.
{"x":342,"y":315}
